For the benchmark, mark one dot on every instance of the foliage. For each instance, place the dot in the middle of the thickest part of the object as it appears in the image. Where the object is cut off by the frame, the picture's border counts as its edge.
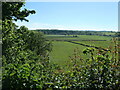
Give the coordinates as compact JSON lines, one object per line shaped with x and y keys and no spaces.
{"x":25,"y":53}
{"x":23,"y":65}
{"x":75,"y":33}
{"x":26,"y":61}
{"x":12,"y":11}
{"x":100,"y":71}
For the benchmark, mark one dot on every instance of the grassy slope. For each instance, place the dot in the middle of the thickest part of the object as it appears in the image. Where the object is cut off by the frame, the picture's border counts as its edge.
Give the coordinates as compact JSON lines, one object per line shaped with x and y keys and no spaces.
{"x":62,"y":51}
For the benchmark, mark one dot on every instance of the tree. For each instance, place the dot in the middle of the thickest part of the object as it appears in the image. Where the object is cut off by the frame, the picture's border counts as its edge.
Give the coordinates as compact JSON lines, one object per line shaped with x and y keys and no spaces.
{"x":24,"y":55}
{"x":12,"y":11}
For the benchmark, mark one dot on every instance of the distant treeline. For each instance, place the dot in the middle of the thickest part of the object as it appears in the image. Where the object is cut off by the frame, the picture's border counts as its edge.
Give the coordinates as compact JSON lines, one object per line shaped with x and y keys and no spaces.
{"x":71,"y":32}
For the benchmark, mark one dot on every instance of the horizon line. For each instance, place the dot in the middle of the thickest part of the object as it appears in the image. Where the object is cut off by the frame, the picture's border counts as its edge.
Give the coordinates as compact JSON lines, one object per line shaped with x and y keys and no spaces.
{"x":74,"y":29}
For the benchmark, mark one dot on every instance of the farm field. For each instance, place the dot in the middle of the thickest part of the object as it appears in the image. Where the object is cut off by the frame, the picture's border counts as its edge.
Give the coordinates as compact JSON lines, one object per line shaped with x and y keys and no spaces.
{"x":103,"y":44}
{"x":79,"y":37}
{"x":63,"y":50}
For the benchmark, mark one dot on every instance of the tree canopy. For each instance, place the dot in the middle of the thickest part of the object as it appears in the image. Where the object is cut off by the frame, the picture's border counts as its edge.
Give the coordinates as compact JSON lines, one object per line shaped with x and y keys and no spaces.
{"x":25,"y":52}
{"x":12,"y":11}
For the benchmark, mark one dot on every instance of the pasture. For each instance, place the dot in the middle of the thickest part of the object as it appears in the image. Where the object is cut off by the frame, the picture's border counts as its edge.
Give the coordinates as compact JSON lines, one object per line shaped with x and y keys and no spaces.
{"x":79,"y":37}
{"x":63,"y":49}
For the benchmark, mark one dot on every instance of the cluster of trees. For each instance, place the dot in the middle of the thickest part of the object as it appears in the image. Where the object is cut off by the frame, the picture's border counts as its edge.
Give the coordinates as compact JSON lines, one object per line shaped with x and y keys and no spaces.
{"x":25,"y":53}
{"x":26,"y":63}
{"x":72,"y":32}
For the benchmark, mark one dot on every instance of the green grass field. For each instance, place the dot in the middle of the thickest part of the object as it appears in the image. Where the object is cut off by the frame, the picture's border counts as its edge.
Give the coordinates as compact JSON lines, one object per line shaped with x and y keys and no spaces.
{"x":103,"y":44}
{"x":62,"y":50}
{"x":79,"y":37}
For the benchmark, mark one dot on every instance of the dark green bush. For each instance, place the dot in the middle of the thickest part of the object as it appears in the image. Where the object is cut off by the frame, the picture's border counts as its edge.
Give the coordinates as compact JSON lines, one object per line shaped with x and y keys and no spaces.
{"x":25,"y":57}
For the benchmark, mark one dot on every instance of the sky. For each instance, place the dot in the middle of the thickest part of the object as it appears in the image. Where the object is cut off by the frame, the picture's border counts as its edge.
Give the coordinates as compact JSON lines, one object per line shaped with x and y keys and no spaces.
{"x":99,"y":16}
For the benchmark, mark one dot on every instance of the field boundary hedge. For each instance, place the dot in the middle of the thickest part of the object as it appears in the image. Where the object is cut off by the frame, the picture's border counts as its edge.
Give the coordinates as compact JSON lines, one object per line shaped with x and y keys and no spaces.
{"x":88,"y":45}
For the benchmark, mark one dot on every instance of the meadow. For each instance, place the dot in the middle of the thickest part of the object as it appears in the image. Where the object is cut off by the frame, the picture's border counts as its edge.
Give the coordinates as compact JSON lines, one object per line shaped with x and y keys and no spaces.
{"x":78,"y":37}
{"x":64,"y":46}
